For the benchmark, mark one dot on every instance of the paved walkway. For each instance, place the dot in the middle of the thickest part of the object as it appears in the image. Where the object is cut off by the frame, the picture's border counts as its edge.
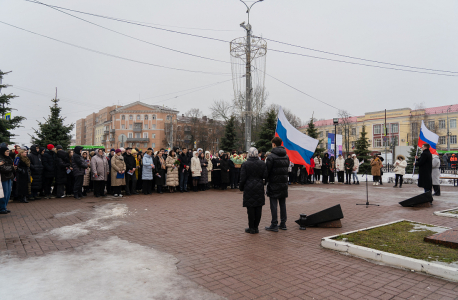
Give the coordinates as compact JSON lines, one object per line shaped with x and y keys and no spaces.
{"x":205,"y":232}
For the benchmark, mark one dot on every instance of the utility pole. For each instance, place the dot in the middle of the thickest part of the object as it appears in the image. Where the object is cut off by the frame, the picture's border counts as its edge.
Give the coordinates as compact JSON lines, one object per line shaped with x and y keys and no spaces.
{"x":386,"y":137}
{"x":1,"y":93}
{"x":248,"y":91}
{"x":448,"y":131}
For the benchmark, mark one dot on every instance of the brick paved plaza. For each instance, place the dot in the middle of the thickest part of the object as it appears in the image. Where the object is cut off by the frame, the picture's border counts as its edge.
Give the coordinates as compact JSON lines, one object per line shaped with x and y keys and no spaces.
{"x":205,"y":232}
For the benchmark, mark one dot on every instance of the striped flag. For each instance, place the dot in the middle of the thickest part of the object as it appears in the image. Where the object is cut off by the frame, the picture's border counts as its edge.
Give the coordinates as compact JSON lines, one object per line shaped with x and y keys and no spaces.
{"x":299,"y":147}
{"x":428,"y":137}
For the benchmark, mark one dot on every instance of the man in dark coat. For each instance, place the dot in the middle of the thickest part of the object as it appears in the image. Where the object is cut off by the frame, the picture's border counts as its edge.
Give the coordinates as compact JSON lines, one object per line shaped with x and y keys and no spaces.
{"x":277,"y":183}
{"x":36,"y":170}
{"x":325,"y":162}
{"x":185,"y":163}
{"x":225,"y":168}
{"x":425,"y":164}
{"x":349,"y":163}
{"x":252,"y":174}
{"x":79,"y":166}
{"x":216,"y":172}
{"x":49,"y":169}
{"x":62,"y":165}
{"x":131,"y":165}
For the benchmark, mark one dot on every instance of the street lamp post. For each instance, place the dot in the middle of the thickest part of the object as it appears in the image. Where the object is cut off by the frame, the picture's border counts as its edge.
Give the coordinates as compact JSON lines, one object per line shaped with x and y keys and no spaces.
{"x":248,"y":90}
{"x":336,"y":122}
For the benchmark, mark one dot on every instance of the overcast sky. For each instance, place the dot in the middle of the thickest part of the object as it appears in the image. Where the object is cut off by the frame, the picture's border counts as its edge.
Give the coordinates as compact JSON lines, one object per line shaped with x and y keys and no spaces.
{"x":414,"y":33}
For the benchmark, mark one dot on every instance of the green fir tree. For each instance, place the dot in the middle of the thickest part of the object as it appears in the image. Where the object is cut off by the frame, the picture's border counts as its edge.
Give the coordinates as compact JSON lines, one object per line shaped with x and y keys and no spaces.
{"x":267,"y":132}
{"x":411,"y":159}
{"x":229,"y":140}
{"x":53,"y":130}
{"x":313,"y":133}
{"x":7,"y":123}
{"x":362,"y":151}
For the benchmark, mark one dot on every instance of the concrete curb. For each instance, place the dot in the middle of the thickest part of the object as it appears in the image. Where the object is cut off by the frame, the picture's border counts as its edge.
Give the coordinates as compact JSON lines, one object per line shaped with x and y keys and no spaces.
{"x":390,"y":259}
{"x":443,"y":213}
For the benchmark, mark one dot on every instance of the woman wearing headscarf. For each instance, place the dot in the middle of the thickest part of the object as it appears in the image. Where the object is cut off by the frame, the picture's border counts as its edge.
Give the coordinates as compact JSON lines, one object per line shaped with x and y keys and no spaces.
{"x":216,"y":171}
{"x":87,"y":172}
{"x":209,"y":168}
{"x":79,"y":166}
{"x":147,"y":172}
{"x":118,"y":170}
{"x":7,"y":169}
{"x":196,"y":170}
{"x":22,"y":176}
{"x":318,"y":163}
{"x":62,"y":167}
{"x":172,"y":171}
{"x":325,"y":168}
{"x":100,"y":172}
{"x":435,"y":175}
{"x":376,"y":165}
{"x":203,"y":179}
{"x":225,"y":168}
{"x":399,"y":170}
{"x":252,"y":176}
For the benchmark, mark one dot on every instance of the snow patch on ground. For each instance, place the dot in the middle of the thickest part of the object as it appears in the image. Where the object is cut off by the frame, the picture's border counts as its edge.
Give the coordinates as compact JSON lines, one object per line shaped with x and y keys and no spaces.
{"x":108,"y":269}
{"x":421,"y":227}
{"x":103,"y":220}
{"x":66,"y":214}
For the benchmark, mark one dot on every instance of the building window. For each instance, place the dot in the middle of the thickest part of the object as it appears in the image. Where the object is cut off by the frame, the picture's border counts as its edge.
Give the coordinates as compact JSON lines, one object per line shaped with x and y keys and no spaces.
{"x":442,"y":140}
{"x":145,"y":126}
{"x":145,"y":145}
{"x":394,"y":128}
{"x":453,"y":139}
{"x":168,"y":118}
{"x":138,"y":117}
{"x":377,"y":142}
{"x":377,"y":130}
{"x":130,"y":126}
{"x":339,"y":130}
{"x":153,"y":145}
{"x":131,"y":117}
{"x":138,"y":145}
{"x":129,"y":135}
{"x":441,"y":124}
{"x":321,"y":134}
{"x":153,"y":136}
{"x":146,"y":117}
{"x":145,"y":135}
{"x":153,"y":117}
{"x":137,"y":135}
{"x":431,"y":125}
{"x":452,"y":123}
{"x":353,"y":145}
{"x":123,"y":126}
{"x":123,"y":117}
{"x":353,"y":131}
{"x":153,"y":126}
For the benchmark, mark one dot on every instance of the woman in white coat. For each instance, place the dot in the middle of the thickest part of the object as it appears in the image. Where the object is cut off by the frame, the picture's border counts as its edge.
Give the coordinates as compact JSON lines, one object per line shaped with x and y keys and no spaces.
{"x":399,"y":169}
{"x":435,"y":175}
{"x":196,"y":170}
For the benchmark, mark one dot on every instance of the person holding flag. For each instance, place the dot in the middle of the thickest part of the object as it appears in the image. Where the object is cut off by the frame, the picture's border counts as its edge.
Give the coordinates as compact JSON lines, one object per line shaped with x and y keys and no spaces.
{"x":427,"y":141}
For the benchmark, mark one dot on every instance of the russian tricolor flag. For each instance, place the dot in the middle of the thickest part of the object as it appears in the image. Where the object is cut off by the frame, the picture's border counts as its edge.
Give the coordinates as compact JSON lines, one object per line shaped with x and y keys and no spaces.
{"x":299,"y":147}
{"x":428,"y":137}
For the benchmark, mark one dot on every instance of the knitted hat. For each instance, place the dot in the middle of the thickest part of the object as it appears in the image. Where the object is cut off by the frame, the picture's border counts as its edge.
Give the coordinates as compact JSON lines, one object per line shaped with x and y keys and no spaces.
{"x":59,"y":147}
{"x":118,"y":150}
{"x":113,"y":149}
{"x":50,"y":146}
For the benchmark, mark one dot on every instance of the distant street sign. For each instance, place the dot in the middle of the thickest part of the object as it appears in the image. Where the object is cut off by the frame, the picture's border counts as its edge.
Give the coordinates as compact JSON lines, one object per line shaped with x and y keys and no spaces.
{"x":8,"y":116}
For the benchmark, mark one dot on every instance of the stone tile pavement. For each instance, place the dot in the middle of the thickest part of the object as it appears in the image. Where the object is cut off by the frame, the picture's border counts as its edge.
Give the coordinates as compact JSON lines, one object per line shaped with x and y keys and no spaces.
{"x":205,"y":231}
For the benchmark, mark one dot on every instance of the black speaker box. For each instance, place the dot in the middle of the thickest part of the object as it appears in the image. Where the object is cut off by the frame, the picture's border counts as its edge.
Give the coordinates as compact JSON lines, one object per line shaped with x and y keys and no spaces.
{"x":329,"y":214}
{"x":420,"y":199}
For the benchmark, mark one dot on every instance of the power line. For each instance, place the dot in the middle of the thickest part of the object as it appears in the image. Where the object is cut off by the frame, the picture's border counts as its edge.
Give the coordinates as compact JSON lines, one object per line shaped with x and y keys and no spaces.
{"x":115,"y":56}
{"x":275,"y":50}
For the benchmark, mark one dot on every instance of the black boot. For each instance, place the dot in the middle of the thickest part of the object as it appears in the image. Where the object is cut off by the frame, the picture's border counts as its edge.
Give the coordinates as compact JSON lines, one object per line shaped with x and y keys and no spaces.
{"x":24,"y":200}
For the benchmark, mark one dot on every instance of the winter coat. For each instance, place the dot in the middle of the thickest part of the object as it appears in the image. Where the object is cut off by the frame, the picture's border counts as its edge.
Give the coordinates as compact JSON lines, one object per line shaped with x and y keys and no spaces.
{"x":355,"y":164}
{"x":436,"y":172}
{"x":99,"y":166}
{"x":340,"y":164}
{"x":79,"y":165}
{"x":62,"y":163}
{"x":400,"y":166}
{"x":209,"y":168}
{"x":7,"y":169}
{"x":349,"y":163}
{"x":215,"y":162}
{"x":147,"y":171}
{"x":312,"y":166}
{"x":253,"y":172}
{"x":318,"y":163}
{"x":36,"y":168}
{"x":225,"y":167}
{"x":160,"y":181}
{"x":196,"y":168}
{"x":204,"y":175}
{"x":453,"y":161}
{"x":425,"y":164}
{"x":23,"y":176}
{"x":49,"y":164}
{"x":117,"y":165}
{"x":376,"y":165}
{"x":325,"y":164}
{"x":130,"y":161}
{"x":172,"y":172}
{"x":445,"y":159}
{"x":277,"y":169}
{"x":184,"y":162}
{"x":87,"y":172}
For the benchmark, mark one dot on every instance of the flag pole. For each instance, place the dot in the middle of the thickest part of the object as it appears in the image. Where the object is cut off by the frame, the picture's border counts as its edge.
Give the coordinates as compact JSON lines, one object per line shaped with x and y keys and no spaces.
{"x":415,"y":162}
